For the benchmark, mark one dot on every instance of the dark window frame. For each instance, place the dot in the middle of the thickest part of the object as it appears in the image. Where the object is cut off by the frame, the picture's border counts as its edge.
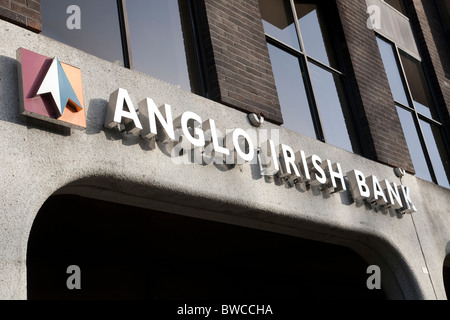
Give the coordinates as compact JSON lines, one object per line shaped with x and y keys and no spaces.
{"x":125,"y":34}
{"x":304,"y":60}
{"x":123,"y":41}
{"x":128,"y":54}
{"x":417,"y":116}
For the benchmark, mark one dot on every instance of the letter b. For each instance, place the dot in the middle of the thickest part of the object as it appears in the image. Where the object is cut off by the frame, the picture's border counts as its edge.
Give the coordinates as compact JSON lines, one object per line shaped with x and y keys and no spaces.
{"x":74,"y":281}
{"x":224,"y":309}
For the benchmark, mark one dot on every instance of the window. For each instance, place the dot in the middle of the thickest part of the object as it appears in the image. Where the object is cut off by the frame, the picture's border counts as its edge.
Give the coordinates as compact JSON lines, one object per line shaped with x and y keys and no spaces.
{"x":308,"y":76}
{"x":99,"y":22}
{"x":397,"y":5}
{"x":444,"y":11}
{"x":446,"y":276}
{"x":417,"y":113}
{"x":154,"y":37}
{"x":158,"y":32}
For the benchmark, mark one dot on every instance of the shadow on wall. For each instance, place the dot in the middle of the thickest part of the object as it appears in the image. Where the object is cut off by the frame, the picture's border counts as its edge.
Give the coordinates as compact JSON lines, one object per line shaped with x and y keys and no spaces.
{"x":446,"y":271}
{"x":9,"y":88}
{"x":96,"y":112}
{"x":95,"y":118}
{"x":10,"y":103}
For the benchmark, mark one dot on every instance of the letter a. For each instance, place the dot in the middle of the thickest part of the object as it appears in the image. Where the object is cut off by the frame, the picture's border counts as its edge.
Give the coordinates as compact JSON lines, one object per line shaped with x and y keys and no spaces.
{"x":374,"y":20}
{"x":74,"y":281}
{"x":374,"y":281}
{"x":116,"y":115}
{"x":74,"y":21}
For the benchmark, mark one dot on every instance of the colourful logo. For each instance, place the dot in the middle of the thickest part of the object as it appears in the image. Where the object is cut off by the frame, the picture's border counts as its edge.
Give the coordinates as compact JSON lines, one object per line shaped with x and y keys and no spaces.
{"x":51,"y":90}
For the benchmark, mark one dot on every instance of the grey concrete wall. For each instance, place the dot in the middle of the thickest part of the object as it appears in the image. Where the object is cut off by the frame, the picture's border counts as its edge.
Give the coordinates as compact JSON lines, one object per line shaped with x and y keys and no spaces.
{"x":38,"y":160}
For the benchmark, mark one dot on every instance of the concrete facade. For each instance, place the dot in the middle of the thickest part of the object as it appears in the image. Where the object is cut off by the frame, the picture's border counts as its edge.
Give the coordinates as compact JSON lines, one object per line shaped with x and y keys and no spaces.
{"x":40,"y":160}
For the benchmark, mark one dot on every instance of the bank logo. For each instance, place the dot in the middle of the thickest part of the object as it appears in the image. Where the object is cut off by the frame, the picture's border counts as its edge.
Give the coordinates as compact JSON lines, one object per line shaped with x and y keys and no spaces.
{"x":51,"y":90}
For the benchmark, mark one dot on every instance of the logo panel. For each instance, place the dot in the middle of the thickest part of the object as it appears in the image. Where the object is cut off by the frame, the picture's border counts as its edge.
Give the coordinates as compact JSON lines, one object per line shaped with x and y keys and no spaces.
{"x":51,"y":90}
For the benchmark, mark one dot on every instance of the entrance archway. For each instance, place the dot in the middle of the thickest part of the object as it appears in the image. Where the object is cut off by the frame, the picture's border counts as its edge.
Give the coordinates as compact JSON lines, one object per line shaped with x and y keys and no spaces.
{"x":125,"y":252}
{"x":446,"y":275}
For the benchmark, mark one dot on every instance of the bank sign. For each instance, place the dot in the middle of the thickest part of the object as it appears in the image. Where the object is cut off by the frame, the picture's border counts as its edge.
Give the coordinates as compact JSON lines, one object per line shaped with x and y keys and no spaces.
{"x":50,"y":92}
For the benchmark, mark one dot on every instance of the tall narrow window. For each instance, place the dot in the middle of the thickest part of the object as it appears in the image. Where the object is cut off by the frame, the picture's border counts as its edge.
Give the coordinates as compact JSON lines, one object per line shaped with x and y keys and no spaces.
{"x":309,"y":81}
{"x":418,"y":114}
{"x":152,"y":36}
{"x":159,"y":36}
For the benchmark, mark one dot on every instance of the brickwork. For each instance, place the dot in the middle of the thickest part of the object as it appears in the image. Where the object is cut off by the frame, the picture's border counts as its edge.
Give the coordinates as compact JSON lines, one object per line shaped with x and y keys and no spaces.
{"x":239,"y":64}
{"x":382,"y":134}
{"x":25,"y":13}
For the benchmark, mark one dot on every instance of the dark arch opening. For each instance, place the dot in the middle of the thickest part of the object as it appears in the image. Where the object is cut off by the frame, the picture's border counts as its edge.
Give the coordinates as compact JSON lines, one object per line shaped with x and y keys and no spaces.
{"x":132,"y":253}
{"x":446,"y":275}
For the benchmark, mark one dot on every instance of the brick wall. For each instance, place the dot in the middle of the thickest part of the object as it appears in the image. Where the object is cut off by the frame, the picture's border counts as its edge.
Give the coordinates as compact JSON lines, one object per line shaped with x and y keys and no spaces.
{"x":379,"y":124}
{"x":25,"y":13}
{"x":241,"y":75}
{"x":238,"y":62}
{"x":435,"y":52}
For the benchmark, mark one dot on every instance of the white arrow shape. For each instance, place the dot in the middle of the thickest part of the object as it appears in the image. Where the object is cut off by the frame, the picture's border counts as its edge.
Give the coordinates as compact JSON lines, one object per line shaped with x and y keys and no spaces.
{"x":50,"y":84}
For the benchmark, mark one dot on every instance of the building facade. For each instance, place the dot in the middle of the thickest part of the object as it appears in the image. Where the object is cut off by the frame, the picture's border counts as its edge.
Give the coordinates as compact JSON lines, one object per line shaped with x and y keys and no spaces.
{"x":228,"y":149}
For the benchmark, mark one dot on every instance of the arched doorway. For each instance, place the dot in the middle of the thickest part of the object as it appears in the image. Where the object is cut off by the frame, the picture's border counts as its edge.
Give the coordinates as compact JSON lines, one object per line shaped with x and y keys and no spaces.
{"x":446,"y":275}
{"x":131,"y":253}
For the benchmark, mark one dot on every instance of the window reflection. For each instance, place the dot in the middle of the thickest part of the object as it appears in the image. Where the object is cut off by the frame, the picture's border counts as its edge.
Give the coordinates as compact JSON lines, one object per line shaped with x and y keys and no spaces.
{"x":315,"y":37}
{"x":100,"y":31}
{"x":291,"y":92}
{"x":444,"y":9}
{"x":418,"y":85}
{"x":426,"y":145}
{"x":312,"y":96}
{"x":161,"y":35}
{"x":278,"y":21}
{"x":438,"y":155}
{"x":392,"y":71}
{"x":157,"y":42}
{"x":398,"y":5}
{"x":332,"y":106}
{"x":413,"y":142}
